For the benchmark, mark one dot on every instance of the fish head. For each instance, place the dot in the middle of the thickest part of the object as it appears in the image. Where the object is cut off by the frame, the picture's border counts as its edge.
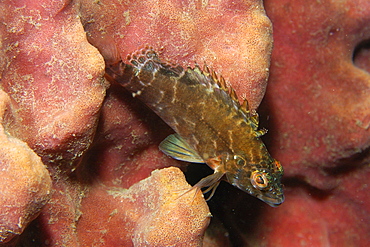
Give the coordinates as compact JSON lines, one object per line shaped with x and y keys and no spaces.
{"x":261,"y":180}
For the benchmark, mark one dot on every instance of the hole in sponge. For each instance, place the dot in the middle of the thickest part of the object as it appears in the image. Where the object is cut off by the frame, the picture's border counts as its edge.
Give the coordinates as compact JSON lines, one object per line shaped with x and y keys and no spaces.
{"x":361,"y":55}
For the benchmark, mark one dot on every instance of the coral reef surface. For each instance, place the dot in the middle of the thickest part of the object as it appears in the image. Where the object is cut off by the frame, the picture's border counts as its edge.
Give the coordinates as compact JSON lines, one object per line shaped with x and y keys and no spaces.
{"x":100,"y":147}
{"x":100,"y":179}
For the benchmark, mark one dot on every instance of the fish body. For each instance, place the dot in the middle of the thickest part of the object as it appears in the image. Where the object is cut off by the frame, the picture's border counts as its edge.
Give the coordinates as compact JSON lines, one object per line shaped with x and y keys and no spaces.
{"x":210,"y":124}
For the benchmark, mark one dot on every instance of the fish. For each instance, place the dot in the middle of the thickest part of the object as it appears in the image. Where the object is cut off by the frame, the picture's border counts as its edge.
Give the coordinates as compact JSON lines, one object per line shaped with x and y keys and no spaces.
{"x":210,"y":124}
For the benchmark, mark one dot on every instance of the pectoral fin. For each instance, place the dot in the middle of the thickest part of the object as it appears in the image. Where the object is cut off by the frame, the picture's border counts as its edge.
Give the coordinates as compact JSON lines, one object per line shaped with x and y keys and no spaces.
{"x":177,"y":148}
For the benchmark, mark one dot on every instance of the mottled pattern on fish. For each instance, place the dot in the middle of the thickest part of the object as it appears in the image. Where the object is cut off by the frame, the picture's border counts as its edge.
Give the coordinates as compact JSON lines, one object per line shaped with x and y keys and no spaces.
{"x":211,"y":126}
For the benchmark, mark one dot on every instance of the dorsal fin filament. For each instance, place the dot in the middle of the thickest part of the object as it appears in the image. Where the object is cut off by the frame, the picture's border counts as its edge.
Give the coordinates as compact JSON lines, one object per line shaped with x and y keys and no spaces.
{"x":222,"y":83}
{"x":245,"y":107}
{"x":206,"y":70}
{"x":233,"y":94}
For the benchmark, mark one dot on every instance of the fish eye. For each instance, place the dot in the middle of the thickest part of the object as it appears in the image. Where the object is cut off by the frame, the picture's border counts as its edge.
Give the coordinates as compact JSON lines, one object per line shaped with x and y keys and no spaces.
{"x":239,"y":160}
{"x":259,"y":180}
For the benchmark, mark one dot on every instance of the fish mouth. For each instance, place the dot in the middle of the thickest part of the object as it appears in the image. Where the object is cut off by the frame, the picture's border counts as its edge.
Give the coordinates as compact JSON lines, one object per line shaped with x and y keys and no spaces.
{"x":272,"y":201}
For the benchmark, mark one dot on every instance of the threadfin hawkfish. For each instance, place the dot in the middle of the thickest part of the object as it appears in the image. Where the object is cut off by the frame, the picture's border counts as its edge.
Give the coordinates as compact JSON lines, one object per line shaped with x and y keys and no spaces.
{"x":211,"y":125}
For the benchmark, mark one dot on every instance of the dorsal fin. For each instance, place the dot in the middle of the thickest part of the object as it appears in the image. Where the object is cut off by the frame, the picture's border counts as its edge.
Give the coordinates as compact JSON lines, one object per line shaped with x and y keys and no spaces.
{"x":245,"y":106}
{"x":222,"y":83}
{"x":206,"y":70}
{"x":205,"y":76}
{"x":214,"y":76}
{"x":233,"y":94}
{"x":261,"y":132}
{"x":254,"y":120}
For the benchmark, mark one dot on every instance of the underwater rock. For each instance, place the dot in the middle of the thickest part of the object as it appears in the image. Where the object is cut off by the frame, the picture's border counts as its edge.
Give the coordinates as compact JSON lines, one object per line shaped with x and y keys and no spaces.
{"x":227,"y":35}
{"x":316,"y":109}
{"x":54,"y":79}
{"x":157,"y":211}
{"x":318,"y":106}
{"x":25,"y":182}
